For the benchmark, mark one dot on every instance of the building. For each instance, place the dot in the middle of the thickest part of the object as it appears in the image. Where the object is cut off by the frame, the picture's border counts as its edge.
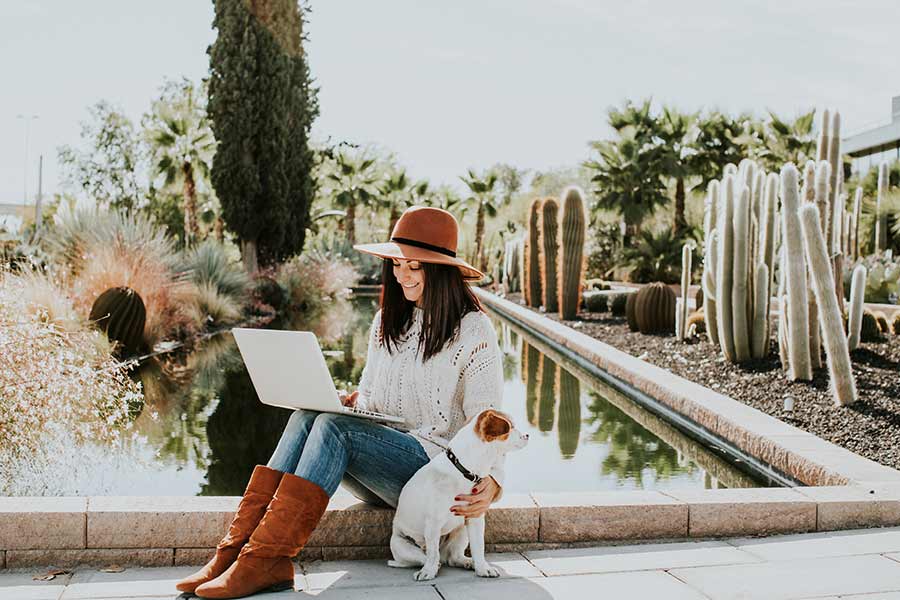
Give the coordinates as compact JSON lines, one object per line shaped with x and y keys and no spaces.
{"x":870,"y":148}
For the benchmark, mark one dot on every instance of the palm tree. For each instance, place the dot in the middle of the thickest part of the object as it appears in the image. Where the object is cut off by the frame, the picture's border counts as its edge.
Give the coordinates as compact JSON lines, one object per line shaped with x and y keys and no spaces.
{"x":630,"y":171}
{"x":786,"y":141}
{"x":354,"y":181}
{"x":484,"y":200}
{"x":676,"y":129}
{"x":181,"y":145}
{"x":715,"y":141}
{"x":395,"y":195}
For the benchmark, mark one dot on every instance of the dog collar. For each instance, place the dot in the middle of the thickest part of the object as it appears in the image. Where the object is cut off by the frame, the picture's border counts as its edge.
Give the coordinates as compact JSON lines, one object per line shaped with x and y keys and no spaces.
{"x":459,"y":467}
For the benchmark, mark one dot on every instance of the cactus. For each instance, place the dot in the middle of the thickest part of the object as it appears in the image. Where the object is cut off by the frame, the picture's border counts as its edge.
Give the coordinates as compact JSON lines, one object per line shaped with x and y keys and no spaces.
{"x":696,"y":323}
{"x":511,"y":266}
{"x":880,"y":213}
{"x":794,"y":272}
{"x":594,"y":301}
{"x":882,"y":321}
{"x":724,"y":274}
{"x":121,"y":314}
{"x":546,"y":393}
{"x":568,"y":421}
{"x":740,"y":288}
{"x":548,"y":236}
{"x":654,"y":308}
{"x":682,"y":314}
{"x":698,"y":298}
{"x":573,"y":230}
{"x":869,"y":330}
{"x":895,"y":324}
{"x":843,"y":385}
{"x":630,"y":315}
{"x":834,"y":160}
{"x":708,"y":284}
{"x":532,"y":282}
{"x":617,"y":306}
{"x":854,"y":226}
{"x":767,"y":233}
{"x":824,"y":142}
{"x":857,"y":294}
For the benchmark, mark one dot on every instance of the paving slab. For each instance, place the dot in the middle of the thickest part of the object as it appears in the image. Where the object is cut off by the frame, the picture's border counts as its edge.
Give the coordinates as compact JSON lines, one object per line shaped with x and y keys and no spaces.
{"x":821,"y":545}
{"x":650,"y":584}
{"x":575,"y":561}
{"x":21,"y":586}
{"x":792,"y":579}
{"x":130,"y":583}
{"x":376,"y":573}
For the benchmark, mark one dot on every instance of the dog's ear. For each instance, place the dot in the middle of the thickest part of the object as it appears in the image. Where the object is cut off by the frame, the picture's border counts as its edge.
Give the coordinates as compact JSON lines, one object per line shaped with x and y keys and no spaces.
{"x":491,"y":426}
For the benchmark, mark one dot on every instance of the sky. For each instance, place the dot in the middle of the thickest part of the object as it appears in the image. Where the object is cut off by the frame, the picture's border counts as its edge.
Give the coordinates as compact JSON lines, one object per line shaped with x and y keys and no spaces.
{"x":454,"y":85}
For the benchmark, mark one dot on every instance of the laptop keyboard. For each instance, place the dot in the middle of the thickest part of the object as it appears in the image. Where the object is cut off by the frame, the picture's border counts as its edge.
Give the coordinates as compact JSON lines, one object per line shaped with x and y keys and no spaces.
{"x":360,"y":411}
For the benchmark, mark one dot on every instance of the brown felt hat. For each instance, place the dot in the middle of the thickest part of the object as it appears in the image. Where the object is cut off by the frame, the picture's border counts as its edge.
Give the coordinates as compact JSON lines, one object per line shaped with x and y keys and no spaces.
{"x":425,"y":234}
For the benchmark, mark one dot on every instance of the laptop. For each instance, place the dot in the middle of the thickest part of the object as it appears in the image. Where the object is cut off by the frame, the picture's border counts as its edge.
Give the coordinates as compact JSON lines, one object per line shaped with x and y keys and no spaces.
{"x":288,"y":370}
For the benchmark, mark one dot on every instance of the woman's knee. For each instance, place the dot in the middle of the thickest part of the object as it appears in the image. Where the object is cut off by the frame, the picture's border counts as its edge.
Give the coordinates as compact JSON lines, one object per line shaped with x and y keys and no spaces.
{"x":329,"y":424}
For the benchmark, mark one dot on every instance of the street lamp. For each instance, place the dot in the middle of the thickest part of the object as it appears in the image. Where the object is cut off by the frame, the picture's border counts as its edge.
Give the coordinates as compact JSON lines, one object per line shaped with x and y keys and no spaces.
{"x":26,"y":120}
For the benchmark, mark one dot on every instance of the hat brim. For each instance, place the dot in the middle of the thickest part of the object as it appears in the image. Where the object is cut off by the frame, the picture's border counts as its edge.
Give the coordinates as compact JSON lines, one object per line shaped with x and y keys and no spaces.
{"x":394,"y":250}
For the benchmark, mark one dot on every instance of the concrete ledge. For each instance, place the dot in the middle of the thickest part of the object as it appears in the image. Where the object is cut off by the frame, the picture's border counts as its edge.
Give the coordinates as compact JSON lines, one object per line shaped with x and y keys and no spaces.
{"x":518,"y":523}
{"x":747,"y":511}
{"x":35,"y":523}
{"x":790,"y":450}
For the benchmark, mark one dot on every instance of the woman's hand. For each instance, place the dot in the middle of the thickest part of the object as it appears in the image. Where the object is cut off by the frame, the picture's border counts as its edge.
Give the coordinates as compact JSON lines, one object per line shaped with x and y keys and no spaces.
{"x":348,"y":400}
{"x":479,"y":501}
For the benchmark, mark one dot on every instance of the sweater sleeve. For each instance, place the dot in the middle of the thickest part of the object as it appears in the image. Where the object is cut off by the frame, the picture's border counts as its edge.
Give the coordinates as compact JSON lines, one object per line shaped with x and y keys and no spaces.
{"x":482,"y":375}
{"x":366,"y":380}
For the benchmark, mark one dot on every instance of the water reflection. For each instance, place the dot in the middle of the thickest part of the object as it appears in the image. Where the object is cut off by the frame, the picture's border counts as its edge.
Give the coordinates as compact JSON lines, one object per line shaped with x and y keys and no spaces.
{"x":201,"y":428}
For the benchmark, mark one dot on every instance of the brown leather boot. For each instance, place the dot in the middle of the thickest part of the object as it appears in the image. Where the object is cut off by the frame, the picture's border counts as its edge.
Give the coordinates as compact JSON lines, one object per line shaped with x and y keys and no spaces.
{"x":257,"y":496}
{"x":264,"y":564}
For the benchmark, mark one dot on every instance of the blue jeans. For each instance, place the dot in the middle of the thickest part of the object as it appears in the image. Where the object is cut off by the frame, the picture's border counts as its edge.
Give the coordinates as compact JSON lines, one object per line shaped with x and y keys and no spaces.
{"x":373,"y":461}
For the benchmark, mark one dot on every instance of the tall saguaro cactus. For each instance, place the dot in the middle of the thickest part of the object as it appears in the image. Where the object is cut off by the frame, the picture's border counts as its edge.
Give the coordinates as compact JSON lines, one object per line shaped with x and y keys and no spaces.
{"x":794,"y":272}
{"x":548,"y":226}
{"x":573,"y":231}
{"x":709,"y":261}
{"x":880,"y":213}
{"x":532,"y":283}
{"x":857,"y":301}
{"x":842,"y":383}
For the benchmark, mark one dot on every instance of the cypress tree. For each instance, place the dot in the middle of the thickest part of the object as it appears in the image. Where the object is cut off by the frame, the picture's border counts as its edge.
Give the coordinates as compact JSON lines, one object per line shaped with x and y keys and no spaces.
{"x":262,"y":105}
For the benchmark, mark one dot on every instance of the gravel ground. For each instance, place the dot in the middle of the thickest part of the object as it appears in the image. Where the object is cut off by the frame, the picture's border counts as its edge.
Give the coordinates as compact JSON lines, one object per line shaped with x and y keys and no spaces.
{"x":870,"y":427}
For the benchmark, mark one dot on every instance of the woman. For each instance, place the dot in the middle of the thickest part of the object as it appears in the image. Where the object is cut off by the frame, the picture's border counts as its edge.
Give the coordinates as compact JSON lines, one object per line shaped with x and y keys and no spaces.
{"x":433,"y":359}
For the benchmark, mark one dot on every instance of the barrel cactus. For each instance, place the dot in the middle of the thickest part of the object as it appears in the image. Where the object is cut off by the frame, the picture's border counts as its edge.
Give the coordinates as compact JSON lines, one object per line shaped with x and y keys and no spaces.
{"x":882,"y":320}
{"x":548,"y":236}
{"x":618,"y":304}
{"x":629,"y":313}
{"x":120,"y":312}
{"x":654,"y":309}
{"x":869,"y":332}
{"x":532,"y":274}
{"x":573,"y":231}
{"x":594,"y":301}
{"x":895,"y":324}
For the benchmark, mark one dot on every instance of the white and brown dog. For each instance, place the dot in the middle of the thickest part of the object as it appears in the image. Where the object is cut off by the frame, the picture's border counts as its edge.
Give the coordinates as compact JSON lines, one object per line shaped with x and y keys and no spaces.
{"x":425,"y":533}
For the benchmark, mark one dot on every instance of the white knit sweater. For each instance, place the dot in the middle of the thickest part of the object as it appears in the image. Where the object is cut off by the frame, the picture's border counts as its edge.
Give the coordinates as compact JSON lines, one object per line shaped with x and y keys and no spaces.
{"x":436,"y":397}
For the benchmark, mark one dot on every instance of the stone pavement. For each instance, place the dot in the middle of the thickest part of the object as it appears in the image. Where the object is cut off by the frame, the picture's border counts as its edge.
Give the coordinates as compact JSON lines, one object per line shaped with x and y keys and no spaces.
{"x":862,"y":564}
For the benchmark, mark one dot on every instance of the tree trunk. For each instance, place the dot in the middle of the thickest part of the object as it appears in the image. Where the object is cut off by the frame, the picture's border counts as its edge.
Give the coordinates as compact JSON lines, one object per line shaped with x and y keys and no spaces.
{"x":680,"y":222}
{"x":191,"y":231}
{"x":219,"y":229}
{"x":249,"y":256}
{"x":350,"y":223}
{"x":479,"y":238}
{"x":395,"y":216}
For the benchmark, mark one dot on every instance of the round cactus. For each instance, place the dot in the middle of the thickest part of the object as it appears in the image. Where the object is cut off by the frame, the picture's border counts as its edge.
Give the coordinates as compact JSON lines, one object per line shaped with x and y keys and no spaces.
{"x":870,"y":331}
{"x":883,"y":324}
{"x":654,"y":308}
{"x":120,"y":312}
{"x":895,"y":324}
{"x":629,"y":312}
{"x":594,"y":301}
{"x":618,"y":304}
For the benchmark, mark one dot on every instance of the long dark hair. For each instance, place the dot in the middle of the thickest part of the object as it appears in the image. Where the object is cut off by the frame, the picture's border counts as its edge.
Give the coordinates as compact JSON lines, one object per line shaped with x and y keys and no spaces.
{"x":446,"y":300}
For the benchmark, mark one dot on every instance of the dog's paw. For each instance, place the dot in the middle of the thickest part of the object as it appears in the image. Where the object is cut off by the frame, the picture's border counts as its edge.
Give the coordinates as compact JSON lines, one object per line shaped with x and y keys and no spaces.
{"x":426,"y":573}
{"x":486,"y":570}
{"x":462,"y":563}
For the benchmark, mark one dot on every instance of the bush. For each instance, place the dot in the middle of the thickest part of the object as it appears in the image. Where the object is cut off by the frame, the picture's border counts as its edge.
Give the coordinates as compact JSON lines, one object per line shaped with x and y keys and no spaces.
{"x":57,"y":376}
{"x":208,"y":265}
{"x":314,"y":280}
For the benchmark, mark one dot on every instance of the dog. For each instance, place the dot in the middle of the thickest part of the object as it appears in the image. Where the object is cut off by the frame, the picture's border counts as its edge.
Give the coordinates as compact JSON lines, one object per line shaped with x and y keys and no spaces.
{"x":425,"y":532}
